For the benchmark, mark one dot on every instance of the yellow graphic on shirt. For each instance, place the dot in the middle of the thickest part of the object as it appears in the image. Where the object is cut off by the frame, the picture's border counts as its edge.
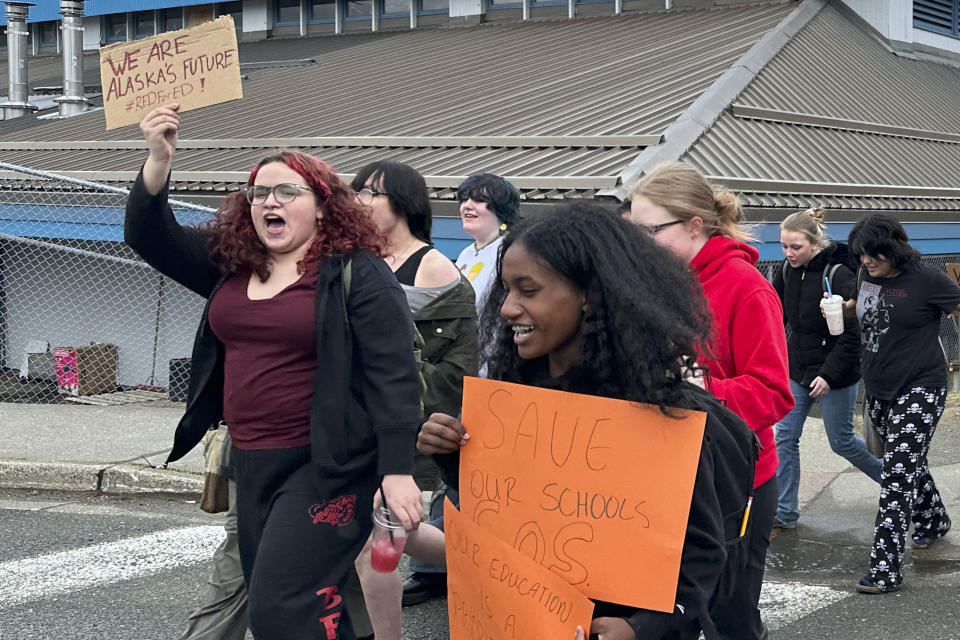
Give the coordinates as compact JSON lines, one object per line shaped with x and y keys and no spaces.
{"x":474,"y":271}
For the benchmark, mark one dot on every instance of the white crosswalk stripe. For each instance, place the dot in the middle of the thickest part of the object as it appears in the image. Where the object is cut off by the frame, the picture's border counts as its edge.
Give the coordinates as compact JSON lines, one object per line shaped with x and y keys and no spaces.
{"x":782,"y":603}
{"x":31,"y":579}
{"x":54,"y":574}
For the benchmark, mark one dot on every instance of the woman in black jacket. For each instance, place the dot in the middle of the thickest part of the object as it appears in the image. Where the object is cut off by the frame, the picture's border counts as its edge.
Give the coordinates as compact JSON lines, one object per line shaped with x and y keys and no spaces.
{"x":319,"y":386}
{"x":823,"y":368}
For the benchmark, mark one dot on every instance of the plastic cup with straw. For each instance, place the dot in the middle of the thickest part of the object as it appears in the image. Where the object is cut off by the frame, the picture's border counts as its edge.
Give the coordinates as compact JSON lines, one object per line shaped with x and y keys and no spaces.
{"x":389,"y":538}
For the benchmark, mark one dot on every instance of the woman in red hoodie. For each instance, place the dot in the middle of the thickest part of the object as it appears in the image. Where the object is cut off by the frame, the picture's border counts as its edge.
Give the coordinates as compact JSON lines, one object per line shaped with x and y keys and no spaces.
{"x":747,"y":363}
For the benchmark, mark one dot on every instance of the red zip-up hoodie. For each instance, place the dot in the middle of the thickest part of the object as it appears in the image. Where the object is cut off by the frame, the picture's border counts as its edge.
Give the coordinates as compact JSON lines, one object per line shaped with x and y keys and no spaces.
{"x":749,"y":369}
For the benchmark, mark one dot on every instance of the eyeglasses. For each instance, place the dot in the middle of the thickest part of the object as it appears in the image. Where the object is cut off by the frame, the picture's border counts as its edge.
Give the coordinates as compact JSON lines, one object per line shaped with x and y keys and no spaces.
{"x":654,"y":229}
{"x":366,"y":196}
{"x":282,"y":193}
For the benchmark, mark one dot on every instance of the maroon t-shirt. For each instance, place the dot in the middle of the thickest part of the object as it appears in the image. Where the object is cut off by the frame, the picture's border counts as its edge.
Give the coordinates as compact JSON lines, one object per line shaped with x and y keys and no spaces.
{"x":270,"y":364}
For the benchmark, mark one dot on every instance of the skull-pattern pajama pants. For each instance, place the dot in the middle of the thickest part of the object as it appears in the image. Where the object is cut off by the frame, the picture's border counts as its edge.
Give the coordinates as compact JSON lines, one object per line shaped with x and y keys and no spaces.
{"x":907,"y":491}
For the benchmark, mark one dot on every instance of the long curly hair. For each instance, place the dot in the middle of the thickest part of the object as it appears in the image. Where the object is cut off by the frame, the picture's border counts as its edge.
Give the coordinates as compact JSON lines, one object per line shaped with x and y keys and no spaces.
{"x":645,"y":319}
{"x":346,"y":225}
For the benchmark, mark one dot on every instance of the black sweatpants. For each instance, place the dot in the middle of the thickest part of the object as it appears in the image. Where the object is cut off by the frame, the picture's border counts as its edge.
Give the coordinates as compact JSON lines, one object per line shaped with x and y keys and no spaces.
{"x":739,"y":617}
{"x":297,"y":543}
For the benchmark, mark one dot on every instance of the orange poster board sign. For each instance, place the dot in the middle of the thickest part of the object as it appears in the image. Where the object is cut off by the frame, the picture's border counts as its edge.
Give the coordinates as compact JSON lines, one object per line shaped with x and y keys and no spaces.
{"x":596,"y":490}
{"x":193,"y":67}
{"x":495,"y":592}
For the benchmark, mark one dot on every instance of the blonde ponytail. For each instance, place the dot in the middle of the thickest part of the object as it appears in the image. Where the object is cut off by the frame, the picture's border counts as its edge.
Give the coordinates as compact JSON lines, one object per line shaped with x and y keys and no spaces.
{"x":683,"y":191}
{"x":810,"y":223}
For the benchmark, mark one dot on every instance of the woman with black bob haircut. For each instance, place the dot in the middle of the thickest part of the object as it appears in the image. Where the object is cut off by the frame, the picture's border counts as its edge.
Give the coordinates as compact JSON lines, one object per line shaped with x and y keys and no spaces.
{"x":501,"y":196}
{"x":899,"y":304}
{"x":403,"y":187}
{"x":882,"y":234}
{"x":488,"y":206}
{"x":586,"y":302}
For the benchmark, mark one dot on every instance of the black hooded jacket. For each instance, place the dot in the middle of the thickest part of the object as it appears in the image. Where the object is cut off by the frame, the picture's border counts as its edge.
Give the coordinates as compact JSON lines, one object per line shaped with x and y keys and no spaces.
{"x":811,"y":349}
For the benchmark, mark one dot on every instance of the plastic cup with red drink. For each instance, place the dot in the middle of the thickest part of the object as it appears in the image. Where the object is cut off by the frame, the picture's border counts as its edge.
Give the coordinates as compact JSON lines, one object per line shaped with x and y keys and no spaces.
{"x":389,"y":538}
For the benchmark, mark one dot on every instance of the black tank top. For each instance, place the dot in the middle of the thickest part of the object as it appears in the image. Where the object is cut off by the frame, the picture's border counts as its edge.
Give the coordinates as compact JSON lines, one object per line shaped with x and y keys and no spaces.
{"x":408,"y":270}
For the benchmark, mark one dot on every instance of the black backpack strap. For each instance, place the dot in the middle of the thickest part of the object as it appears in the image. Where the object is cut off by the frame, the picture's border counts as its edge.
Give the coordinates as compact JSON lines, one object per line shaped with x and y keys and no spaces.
{"x":829,"y":272}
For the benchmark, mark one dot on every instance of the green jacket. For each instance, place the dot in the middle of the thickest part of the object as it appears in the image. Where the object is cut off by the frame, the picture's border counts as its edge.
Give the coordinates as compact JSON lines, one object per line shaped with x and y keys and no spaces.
{"x":449,"y":329}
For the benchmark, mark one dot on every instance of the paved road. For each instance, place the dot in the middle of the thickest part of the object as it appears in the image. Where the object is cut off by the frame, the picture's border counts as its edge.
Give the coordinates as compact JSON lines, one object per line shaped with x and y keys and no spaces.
{"x":110,"y":568}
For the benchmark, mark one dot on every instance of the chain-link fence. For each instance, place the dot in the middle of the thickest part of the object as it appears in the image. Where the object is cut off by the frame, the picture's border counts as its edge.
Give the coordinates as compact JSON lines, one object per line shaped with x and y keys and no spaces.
{"x":949,"y":326}
{"x":82,"y":318}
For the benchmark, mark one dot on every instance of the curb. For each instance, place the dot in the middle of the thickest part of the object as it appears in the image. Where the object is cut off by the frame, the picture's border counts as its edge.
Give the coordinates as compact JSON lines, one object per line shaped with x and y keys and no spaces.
{"x":122,"y":479}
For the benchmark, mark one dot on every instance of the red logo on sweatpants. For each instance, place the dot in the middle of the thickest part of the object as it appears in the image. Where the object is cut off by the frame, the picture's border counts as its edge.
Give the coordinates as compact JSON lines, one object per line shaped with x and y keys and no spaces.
{"x":331,"y":599}
{"x":337,"y":512}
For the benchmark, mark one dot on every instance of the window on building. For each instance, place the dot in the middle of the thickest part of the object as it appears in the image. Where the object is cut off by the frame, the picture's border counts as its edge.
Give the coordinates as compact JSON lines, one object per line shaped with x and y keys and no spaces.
{"x":115,"y":27}
{"x":325,"y":11}
{"x":434,"y":6}
{"x":47,"y":33}
{"x":358,"y":9}
{"x":286,"y":12}
{"x":3,"y":38}
{"x":395,"y":8}
{"x":500,"y":4}
{"x":234,"y":10}
{"x":171,"y":19}
{"x":143,"y":24}
{"x":939,"y":16}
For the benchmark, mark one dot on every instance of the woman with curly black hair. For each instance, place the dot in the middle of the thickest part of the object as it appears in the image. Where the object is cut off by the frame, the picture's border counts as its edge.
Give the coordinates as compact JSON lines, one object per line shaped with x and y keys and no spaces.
{"x":585,"y":302}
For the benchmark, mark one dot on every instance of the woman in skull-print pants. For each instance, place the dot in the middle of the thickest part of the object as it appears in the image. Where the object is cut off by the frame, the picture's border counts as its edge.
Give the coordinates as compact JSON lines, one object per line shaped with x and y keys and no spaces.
{"x":900,"y":302}
{"x":907,"y":490}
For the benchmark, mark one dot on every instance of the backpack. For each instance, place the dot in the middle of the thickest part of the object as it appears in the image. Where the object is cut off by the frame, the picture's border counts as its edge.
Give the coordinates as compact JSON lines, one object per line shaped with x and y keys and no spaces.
{"x":735,"y":450}
{"x":347,"y":275}
{"x":830,"y":270}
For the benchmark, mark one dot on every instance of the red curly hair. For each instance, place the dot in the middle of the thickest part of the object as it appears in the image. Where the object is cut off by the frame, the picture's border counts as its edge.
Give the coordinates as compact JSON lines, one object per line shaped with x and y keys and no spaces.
{"x":346,"y":225}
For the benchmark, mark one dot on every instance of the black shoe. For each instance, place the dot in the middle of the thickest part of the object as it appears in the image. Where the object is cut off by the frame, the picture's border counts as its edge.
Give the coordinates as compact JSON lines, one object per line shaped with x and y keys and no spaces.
{"x":421,"y":587}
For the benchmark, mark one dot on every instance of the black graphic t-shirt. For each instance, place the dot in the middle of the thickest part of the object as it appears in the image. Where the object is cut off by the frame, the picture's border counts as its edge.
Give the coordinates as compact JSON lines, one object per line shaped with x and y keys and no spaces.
{"x":899,"y":330}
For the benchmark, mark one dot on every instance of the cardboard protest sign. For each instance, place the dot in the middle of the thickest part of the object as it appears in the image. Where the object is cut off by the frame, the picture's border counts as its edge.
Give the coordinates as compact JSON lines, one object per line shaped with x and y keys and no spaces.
{"x":193,"y":67}
{"x":497,"y":593}
{"x":596,"y":490}
{"x":953,"y":271}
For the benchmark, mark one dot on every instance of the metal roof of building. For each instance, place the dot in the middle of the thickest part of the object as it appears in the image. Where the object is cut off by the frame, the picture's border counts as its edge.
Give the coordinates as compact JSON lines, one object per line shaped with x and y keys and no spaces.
{"x":838,"y":119}
{"x":561,"y":105}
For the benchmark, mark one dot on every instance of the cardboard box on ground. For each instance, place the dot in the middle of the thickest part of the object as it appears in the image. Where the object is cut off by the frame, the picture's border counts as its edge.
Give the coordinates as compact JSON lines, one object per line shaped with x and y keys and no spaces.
{"x":87,"y":370}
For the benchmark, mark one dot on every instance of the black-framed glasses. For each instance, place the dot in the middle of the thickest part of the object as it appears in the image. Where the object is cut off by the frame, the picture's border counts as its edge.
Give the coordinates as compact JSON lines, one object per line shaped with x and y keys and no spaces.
{"x":282,"y":193}
{"x":366,"y":195}
{"x":654,"y":229}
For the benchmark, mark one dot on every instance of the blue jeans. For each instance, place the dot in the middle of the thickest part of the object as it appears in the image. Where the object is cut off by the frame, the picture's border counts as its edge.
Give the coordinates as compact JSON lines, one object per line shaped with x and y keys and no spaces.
{"x":837,"y":410}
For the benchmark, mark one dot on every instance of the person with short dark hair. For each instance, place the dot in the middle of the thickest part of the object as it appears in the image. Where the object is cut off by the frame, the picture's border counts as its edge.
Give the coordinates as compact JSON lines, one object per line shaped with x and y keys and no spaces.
{"x":899,"y":304}
{"x":488,"y":206}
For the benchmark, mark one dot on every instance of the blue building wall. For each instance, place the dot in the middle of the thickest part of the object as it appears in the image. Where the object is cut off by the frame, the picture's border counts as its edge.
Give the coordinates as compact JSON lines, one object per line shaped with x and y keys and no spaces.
{"x":929,"y":238}
{"x":106,"y":223}
{"x":45,"y":10}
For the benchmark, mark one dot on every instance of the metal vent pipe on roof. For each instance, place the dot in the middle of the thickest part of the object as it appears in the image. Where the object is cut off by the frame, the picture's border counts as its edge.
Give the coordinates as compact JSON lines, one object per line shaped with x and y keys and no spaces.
{"x":72,"y":102}
{"x":16,"y":104}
